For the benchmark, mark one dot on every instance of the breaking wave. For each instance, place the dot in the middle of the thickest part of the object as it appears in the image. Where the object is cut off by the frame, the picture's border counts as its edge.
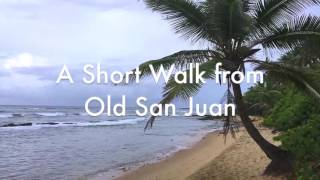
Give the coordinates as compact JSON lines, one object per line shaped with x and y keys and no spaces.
{"x":71,"y":124}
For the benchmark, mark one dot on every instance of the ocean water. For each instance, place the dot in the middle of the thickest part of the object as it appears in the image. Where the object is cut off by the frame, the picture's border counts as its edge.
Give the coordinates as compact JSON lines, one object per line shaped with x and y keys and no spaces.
{"x":64,"y":143}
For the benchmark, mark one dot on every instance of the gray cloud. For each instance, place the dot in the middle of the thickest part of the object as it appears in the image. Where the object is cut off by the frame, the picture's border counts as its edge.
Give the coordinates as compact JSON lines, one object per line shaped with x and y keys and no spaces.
{"x":73,"y":32}
{"x":51,"y":73}
{"x":42,"y":73}
{"x":119,"y":33}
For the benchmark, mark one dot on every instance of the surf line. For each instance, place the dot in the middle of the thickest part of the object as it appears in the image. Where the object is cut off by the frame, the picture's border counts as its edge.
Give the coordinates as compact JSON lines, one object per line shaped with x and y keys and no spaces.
{"x":109,"y":108}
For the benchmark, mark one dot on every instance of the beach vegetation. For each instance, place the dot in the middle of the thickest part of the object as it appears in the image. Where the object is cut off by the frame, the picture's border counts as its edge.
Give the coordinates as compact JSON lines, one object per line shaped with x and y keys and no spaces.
{"x":235,"y":31}
{"x":261,"y":98}
{"x":304,"y":143}
{"x":292,"y":110}
{"x":294,"y":113}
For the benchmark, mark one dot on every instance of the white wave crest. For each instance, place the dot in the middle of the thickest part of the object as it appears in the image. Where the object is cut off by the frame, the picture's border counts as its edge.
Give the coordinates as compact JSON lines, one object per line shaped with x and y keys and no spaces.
{"x":77,"y":124}
{"x":51,"y":114}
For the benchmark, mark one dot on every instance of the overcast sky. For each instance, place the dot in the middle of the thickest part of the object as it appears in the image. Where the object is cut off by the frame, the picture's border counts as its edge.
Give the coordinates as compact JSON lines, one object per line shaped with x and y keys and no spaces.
{"x":38,"y":36}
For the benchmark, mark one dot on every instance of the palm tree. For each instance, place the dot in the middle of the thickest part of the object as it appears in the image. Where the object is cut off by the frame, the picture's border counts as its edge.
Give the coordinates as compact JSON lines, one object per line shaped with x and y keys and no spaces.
{"x":308,"y":55}
{"x":235,"y":31}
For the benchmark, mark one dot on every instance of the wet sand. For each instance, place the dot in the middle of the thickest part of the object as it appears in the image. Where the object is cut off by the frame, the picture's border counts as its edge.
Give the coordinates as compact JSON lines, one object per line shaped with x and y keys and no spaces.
{"x":210,"y":159}
{"x":185,"y":162}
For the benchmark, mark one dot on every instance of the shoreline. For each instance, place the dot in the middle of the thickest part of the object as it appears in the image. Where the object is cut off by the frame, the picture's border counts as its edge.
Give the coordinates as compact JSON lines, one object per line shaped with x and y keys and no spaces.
{"x":180,"y":164}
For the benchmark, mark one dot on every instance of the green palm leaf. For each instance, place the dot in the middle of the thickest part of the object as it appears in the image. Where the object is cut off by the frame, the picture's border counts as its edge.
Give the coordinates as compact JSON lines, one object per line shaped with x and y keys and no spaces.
{"x":180,"y":60}
{"x":301,"y":77}
{"x":268,"y":12}
{"x":292,"y":34}
{"x":174,"y":90}
{"x":228,"y":21}
{"x":186,"y":16}
{"x":248,"y":5}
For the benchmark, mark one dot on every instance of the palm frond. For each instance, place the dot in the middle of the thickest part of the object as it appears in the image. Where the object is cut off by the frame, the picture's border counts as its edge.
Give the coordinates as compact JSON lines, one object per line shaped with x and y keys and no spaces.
{"x":268,"y":12}
{"x":180,"y":60}
{"x":228,"y":20}
{"x":303,"y":79}
{"x":174,"y":90}
{"x":248,"y":5}
{"x":292,"y":34}
{"x":186,"y":16}
{"x":231,"y":124}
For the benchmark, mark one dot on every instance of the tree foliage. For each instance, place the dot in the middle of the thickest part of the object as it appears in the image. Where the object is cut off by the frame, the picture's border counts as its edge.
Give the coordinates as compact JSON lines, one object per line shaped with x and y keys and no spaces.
{"x":235,"y":31}
{"x":293,"y":112}
{"x":304,"y":143}
{"x":293,"y":109}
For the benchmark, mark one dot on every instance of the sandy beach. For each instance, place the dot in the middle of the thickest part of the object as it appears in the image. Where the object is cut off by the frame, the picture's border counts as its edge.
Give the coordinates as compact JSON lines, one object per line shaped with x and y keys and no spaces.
{"x":184,"y":163}
{"x":210,"y":159}
{"x":181,"y":164}
{"x":244,"y":160}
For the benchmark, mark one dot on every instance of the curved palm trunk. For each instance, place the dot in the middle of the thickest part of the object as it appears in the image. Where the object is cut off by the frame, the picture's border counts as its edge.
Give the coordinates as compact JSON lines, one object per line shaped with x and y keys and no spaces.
{"x":281,"y":161}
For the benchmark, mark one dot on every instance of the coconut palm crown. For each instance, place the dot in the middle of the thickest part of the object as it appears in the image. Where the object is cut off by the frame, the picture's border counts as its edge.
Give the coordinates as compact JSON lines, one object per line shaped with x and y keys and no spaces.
{"x":235,"y":30}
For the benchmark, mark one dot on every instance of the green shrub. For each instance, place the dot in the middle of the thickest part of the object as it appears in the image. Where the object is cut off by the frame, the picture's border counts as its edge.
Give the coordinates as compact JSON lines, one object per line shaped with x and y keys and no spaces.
{"x":260,"y":99}
{"x":292,"y":110}
{"x":307,"y":173}
{"x":304,"y":144}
